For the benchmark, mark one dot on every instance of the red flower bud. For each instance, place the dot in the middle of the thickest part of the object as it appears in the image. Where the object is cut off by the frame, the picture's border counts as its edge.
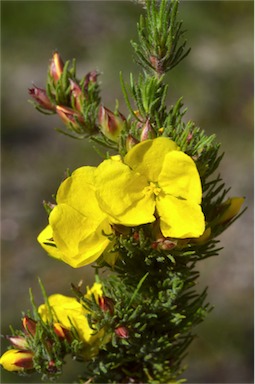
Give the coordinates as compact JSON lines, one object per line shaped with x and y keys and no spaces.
{"x":25,"y":360}
{"x":18,"y":341}
{"x":69,"y":116}
{"x":91,"y":77}
{"x":75,"y":88}
{"x":41,"y":97}
{"x":52,"y":367}
{"x":122,"y":332}
{"x":111,"y":124}
{"x":77,"y":95}
{"x":29,"y":325}
{"x":136,"y":236}
{"x":189,"y":137}
{"x":131,"y":142}
{"x":56,"y":67}
{"x":62,"y":332}
{"x":106,"y":304}
{"x":157,"y":64}
{"x":147,"y":132}
{"x":164,"y":244}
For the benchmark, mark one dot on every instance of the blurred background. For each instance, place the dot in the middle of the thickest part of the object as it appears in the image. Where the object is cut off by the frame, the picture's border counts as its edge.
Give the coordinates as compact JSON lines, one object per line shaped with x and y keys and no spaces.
{"x":216,"y":80}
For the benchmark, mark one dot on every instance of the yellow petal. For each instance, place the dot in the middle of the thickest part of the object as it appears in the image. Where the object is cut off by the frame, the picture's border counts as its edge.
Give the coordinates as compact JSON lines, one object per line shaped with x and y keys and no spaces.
{"x":179,"y":177}
{"x":96,"y":290}
{"x":148,"y":156}
{"x":180,"y":218}
{"x":78,"y":192}
{"x":122,"y":194}
{"x":45,"y":238}
{"x":79,"y":239}
{"x":68,"y":311}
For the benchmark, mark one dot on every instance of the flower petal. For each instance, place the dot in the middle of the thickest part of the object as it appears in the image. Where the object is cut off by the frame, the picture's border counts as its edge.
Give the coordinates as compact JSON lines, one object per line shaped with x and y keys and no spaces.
{"x":148,"y":156}
{"x":179,"y":177}
{"x":180,"y":218}
{"x":122,"y":194}
{"x":45,"y":238}
{"x":68,"y":311}
{"x":78,"y":191}
{"x":80,"y":239}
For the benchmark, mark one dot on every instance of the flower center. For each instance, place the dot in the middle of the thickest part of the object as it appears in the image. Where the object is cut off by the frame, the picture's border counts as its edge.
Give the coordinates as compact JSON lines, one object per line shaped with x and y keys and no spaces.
{"x":152,"y":188}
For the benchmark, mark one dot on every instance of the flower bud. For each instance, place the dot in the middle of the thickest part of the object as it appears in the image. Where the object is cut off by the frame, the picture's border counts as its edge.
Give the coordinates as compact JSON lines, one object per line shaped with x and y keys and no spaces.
{"x":56,"y":67}
{"x":40,"y":96}
{"x":231,"y":208}
{"x":136,"y":236}
{"x":61,"y":331}
{"x":164,"y":244}
{"x":147,"y":131}
{"x":16,"y":360}
{"x":52,"y":368}
{"x":29,"y":325}
{"x":91,"y":77}
{"x":106,"y":304}
{"x":77,"y":95}
{"x":69,"y":116}
{"x":130,"y":142}
{"x":110,"y":124}
{"x":189,"y":137}
{"x":122,"y":332}
{"x":18,"y":341}
{"x":157,"y":64}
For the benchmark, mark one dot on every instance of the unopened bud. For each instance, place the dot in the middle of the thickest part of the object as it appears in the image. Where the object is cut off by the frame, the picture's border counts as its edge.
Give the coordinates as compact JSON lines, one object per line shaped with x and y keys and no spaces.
{"x":77,"y":95}
{"x":106,"y":304}
{"x":17,"y":360}
{"x":18,"y":341}
{"x":136,"y":236}
{"x":52,"y":368}
{"x":40,"y":96}
{"x":231,"y":208}
{"x":164,"y":244}
{"x":69,"y":116}
{"x":122,"y":332}
{"x":110,"y":124}
{"x":91,"y":77}
{"x":29,"y":325}
{"x":189,"y":137}
{"x":147,"y":131}
{"x":156,"y":64}
{"x":56,"y":67}
{"x":61,"y":331}
{"x":130,"y":142}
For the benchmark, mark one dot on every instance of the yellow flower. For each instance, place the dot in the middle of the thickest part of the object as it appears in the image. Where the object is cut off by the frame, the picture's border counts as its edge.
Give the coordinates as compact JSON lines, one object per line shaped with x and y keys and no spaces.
{"x":154,"y":179}
{"x":77,"y":226}
{"x":68,"y":312}
{"x":17,"y":360}
{"x":95,"y":290}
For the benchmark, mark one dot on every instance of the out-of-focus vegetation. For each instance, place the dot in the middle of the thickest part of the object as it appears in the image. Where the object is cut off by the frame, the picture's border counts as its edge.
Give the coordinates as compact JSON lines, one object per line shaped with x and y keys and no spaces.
{"x":216,"y":81}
